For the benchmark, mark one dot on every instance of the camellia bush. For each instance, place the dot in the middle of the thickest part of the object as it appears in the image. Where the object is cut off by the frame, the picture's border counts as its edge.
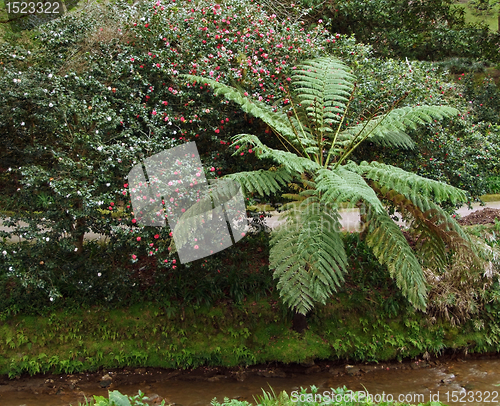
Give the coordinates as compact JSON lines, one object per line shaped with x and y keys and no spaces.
{"x":96,"y":92}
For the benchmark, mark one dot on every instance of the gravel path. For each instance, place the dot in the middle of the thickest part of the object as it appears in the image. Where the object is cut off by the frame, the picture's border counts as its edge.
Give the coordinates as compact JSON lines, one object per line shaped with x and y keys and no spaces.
{"x":349,"y":221}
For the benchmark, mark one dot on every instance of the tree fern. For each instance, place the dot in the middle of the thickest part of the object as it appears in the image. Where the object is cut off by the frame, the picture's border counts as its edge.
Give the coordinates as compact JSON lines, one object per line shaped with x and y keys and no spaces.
{"x":307,"y":254}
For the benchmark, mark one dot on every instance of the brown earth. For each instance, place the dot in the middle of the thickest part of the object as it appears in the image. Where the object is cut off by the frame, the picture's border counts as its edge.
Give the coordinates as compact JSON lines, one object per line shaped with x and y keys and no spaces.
{"x":485,"y":216}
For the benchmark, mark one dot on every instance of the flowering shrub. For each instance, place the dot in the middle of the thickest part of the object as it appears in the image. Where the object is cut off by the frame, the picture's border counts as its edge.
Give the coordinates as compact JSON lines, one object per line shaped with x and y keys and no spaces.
{"x":99,"y":93}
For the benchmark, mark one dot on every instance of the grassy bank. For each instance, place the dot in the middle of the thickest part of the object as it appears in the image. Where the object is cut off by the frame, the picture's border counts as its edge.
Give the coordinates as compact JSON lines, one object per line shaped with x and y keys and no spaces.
{"x":226,"y":335}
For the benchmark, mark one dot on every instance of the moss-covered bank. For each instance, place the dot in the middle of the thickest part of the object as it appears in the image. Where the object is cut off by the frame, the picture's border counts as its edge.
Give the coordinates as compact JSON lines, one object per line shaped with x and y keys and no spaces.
{"x":225,"y":335}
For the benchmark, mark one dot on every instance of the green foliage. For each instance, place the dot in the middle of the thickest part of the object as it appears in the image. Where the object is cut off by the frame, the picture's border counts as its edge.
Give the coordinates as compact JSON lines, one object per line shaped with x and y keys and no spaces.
{"x":430,"y":30}
{"x":115,"y":398}
{"x":307,"y":257}
{"x":460,"y":150}
{"x":313,"y":397}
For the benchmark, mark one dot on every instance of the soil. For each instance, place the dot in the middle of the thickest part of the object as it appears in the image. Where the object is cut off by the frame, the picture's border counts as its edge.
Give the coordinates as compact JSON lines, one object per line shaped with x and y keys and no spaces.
{"x":485,"y":216}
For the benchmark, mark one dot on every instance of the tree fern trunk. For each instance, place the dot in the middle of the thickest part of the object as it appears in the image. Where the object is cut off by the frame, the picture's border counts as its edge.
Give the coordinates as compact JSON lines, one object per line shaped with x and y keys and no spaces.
{"x":299,"y":322}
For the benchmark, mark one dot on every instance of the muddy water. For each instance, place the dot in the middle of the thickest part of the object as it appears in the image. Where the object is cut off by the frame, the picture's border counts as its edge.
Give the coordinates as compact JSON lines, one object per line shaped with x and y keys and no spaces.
{"x":455,"y":382}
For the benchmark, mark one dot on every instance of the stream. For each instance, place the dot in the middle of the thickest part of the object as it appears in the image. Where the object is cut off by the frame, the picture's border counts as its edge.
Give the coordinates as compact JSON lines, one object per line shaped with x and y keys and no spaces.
{"x":460,"y":381}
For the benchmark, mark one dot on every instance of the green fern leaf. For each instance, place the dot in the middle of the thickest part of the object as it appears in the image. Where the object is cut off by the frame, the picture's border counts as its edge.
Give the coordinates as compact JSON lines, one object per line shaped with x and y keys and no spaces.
{"x":390,"y":129}
{"x":308,"y":256}
{"x":390,"y":247}
{"x":407,"y":183}
{"x":262,"y":181}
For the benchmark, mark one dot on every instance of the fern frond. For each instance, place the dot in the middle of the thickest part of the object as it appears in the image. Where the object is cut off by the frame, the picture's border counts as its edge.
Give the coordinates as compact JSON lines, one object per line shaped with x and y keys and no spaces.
{"x":308,"y":256}
{"x":390,"y":247}
{"x":390,"y":129}
{"x":263,"y":182}
{"x":323,"y":85}
{"x":276,"y":120}
{"x":289,"y":160}
{"x":341,"y":185}
{"x":436,"y":232}
{"x":407,"y":183}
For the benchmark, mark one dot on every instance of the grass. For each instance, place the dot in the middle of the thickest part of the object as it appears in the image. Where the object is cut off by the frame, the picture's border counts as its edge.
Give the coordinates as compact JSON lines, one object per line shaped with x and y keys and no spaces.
{"x":490,"y":198}
{"x":490,"y":19}
{"x":226,"y":335}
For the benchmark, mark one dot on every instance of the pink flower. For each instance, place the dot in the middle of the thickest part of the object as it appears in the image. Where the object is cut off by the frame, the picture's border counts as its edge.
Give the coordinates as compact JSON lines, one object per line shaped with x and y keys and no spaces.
{"x":196,"y":247}
{"x":134,"y":256}
{"x":138,"y":238}
{"x":212,"y":169}
{"x":134,"y":221}
{"x":157,"y":236}
{"x":125,"y":185}
{"x":132,"y":59}
{"x":174,"y":261}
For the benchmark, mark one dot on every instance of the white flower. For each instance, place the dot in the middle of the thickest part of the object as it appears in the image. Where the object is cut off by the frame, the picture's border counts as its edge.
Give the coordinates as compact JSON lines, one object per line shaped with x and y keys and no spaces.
{"x":98,"y":274}
{"x":76,"y":249}
{"x":109,"y":87}
{"x":22,"y":123}
{"x":4,"y":252}
{"x":50,"y":75}
{"x":109,"y":118}
{"x":97,"y":131}
{"x":50,"y":104}
{"x":108,"y":184}
{"x":99,"y":148}
{"x":51,"y":299}
{"x":47,"y":239}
